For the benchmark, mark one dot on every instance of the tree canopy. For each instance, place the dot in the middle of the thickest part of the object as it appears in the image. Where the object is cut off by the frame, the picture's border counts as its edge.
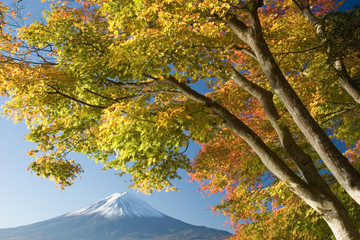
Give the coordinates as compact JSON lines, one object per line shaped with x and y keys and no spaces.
{"x":262,"y":86}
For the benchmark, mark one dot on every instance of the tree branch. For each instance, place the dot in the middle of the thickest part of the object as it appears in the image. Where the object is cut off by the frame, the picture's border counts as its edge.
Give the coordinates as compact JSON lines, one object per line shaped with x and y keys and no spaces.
{"x":132,"y":85}
{"x":100,"y":95}
{"x":246,"y":51}
{"x":301,"y":51}
{"x":239,"y":28}
{"x":296,"y":154}
{"x":268,"y":157}
{"x":344,"y":78}
{"x":72,"y":98}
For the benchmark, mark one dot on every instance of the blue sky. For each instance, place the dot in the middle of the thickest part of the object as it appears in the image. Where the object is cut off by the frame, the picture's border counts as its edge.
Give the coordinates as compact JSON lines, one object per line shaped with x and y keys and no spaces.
{"x":27,"y":199}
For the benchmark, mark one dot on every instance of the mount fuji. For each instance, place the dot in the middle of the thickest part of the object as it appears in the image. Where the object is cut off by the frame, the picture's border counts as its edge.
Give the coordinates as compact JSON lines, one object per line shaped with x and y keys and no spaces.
{"x":121,"y":216}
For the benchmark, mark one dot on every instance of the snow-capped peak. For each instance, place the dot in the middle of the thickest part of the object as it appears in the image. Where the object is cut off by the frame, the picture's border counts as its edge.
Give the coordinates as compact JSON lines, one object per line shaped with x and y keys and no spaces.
{"x":119,"y":205}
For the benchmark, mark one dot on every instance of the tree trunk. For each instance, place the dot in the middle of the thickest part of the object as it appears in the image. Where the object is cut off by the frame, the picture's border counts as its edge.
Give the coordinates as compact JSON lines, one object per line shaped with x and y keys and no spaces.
{"x":316,"y":196}
{"x":346,"y":175}
{"x":341,"y":225}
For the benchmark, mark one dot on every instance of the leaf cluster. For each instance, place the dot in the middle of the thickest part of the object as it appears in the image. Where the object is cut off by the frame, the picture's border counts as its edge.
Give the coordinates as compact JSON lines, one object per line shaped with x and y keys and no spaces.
{"x":342,"y":33}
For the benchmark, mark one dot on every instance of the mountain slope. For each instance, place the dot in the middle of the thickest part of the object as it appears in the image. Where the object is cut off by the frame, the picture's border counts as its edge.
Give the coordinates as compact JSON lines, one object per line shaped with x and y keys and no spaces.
{"x":117,"y":217}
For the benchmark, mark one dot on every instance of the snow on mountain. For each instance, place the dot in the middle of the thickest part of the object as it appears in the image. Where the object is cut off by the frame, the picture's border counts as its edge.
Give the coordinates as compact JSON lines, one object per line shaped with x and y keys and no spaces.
{"x":119,"y":205}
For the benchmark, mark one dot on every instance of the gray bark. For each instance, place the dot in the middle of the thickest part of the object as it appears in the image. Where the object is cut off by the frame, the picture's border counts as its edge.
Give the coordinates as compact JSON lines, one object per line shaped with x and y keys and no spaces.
{"x":338,"y":219}
{"x":302,"y":160}
{"x":340,"y":224}
{"x":346,"y":175}
{"x":316,"y":196}
{"x":346,"y":81}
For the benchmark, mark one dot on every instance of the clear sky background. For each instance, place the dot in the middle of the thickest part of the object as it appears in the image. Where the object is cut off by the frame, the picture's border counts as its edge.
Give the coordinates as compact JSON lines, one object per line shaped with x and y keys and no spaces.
{"x":26,"y":199}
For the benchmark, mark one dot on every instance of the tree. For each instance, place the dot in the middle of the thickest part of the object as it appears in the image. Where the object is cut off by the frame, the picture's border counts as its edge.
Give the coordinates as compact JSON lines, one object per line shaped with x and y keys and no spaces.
{"x":251,"y":205}
{"x":115,"y":81}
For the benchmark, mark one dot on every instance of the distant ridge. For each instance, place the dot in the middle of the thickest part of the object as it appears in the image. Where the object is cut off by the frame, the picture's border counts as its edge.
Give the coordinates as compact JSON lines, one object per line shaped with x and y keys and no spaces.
{"x":121,"y":216}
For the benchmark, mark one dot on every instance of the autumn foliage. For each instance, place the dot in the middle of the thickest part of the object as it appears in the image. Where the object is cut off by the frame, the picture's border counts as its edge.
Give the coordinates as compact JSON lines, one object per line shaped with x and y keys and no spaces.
{"x":262,"y":86}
